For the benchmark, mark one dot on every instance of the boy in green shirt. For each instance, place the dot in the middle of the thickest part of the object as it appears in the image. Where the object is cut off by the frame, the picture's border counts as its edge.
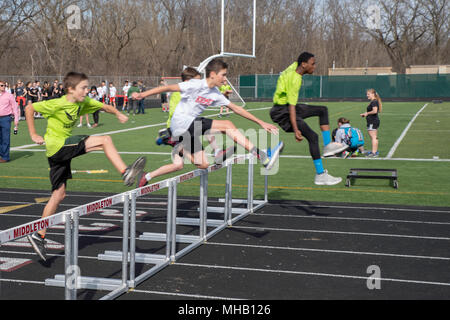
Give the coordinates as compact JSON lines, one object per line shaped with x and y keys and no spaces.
{"x":133,"y":103}
{"x":62,"y":115}
{"x":226,"y":91}
{"x":290,"y":115}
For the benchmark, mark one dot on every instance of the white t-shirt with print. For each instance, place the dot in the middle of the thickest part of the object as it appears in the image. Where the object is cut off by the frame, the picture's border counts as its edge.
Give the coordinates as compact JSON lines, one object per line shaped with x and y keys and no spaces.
{"x":112,"y":91}
{"x":100,"y":92}
{"x":196,"y":96}
{"x":125,"y":90}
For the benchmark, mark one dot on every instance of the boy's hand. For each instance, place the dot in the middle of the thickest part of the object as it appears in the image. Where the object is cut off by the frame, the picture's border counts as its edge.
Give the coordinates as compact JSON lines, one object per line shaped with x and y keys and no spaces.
{"x":135,"y":96}
{"x":37,"y":139}
{"x":269,"y":127}
{"x":298,"y":135}
{"x":121,"y":117}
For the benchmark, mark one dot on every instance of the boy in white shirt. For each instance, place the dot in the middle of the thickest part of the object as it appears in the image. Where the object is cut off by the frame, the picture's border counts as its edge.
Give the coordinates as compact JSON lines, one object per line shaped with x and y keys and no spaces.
{"x":125,"y":93}
{"x":112,"y":94}
{"x":196,"y":96}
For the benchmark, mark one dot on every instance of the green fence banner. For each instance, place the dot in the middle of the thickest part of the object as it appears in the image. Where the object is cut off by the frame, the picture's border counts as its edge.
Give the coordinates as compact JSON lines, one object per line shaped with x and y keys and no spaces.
{"x":403,"y":86}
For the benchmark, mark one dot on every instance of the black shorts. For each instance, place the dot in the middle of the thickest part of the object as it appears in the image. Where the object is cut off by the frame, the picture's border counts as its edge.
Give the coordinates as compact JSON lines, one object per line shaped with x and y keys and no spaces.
{"x":60,"y":170}
{"x":191,"y":138}
{"x":280,"y":115}
{"x":373,"y":124}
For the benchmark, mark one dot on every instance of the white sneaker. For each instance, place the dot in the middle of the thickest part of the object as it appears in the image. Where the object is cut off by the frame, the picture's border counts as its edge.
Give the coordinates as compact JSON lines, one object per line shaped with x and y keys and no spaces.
{"x":332,"y":148}
{"x":89,"y":125}
{"x":324,"y":179}
{"x":80,"y":125}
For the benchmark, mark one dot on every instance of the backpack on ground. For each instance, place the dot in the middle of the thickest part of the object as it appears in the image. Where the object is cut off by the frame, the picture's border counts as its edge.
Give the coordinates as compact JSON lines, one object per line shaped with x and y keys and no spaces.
{"x":353,"y":137}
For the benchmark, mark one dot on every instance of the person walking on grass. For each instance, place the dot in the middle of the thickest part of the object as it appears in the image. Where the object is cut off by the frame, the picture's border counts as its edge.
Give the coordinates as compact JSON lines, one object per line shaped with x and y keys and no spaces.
{"x":61,"y":147}
{"x":290,"y":116}
{"x":187,"y":126}
{"x":372,"y":119}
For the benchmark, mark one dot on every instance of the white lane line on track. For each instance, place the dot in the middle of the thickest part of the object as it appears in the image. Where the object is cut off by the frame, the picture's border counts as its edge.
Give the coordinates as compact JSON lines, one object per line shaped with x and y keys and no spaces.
{"x":310,"y":274}
{"x":344,"y":233}
{"x":395,"y":255}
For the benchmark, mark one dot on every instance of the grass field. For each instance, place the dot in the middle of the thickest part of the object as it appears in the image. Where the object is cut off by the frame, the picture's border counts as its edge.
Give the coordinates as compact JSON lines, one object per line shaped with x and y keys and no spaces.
{"x":422,"y":180}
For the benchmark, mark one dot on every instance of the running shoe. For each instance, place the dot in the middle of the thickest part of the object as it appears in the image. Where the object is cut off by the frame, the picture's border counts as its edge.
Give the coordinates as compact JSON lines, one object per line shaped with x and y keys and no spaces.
{"x":224,"y":154}
{"x":141,"y":179}
{"x":324,"y":179}
{"x":272,"y":155}
{"x":132,"y":171}
{"x":38,"y":245}
{"x":333,"y":148}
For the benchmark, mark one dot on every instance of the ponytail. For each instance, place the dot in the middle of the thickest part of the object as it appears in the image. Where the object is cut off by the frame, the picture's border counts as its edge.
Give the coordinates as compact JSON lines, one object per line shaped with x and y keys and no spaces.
{"x":377,"y":96}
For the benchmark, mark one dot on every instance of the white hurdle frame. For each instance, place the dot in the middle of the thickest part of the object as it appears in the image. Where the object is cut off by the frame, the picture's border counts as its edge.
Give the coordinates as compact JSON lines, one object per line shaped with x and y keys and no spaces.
{"x":71,"y":280}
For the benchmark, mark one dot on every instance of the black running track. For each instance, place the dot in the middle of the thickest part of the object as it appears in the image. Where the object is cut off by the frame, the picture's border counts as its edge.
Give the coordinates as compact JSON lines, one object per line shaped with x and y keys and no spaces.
{"x":288,"y":250}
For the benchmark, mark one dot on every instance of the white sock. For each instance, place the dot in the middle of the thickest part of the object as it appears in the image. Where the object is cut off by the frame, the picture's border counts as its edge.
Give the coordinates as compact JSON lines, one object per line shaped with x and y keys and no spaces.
{"x":148,"y":177}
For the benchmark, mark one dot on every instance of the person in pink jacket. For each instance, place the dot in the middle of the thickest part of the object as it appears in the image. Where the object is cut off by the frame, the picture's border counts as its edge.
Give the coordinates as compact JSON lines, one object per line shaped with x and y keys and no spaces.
{"x":8,"y":109}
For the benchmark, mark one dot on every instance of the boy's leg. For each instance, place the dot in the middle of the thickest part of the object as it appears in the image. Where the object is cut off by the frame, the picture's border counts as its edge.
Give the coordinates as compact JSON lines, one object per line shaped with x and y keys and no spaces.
{"x":227,"y":127}
{"x":105,"y":143}
{"x":52,"y":205}
{"x":144,"y":177}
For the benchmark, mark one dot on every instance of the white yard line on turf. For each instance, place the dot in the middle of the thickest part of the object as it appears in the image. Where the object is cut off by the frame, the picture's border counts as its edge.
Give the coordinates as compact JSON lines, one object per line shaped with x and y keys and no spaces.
{"x":21,"y":148}
{"x":399,"y":140}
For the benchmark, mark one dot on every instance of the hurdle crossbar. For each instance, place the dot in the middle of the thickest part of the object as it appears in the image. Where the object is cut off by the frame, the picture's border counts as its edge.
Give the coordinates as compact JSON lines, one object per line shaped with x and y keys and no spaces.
{"x":72,"y":280}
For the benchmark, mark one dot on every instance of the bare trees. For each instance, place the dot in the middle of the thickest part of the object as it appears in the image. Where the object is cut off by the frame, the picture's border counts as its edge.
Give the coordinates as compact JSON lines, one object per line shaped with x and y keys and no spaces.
{"x":407,"y":28}
{"x":158,"y":37}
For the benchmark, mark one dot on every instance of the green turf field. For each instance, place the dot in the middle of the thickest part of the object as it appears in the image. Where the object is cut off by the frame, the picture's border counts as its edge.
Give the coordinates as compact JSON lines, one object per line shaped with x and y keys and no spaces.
{"x":422,"y":181}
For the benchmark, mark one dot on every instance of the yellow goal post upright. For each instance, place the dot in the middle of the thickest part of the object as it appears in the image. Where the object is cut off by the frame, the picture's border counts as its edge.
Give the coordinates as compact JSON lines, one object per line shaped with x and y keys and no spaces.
{"x":235,"y":97}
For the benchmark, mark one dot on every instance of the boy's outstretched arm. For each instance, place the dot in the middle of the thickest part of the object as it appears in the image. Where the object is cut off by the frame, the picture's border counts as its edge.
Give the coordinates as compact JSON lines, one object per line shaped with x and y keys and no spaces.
{"x":244,"y":113}
{"x":120,"y":116}
{"x":29,"y":115}
{"x":157,"y":90}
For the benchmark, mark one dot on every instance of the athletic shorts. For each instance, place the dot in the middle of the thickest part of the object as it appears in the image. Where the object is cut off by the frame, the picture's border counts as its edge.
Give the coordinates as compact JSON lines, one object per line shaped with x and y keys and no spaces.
{"x":60,"y":170}
{"x":280,"y":115}
{"x":191,"y":139}
{"x":373,"y":124}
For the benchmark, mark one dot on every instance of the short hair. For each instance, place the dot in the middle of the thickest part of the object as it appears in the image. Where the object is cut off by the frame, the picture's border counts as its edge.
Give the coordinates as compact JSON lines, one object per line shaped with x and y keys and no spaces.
{"x":215,"y":65}
{"x":189,"y":73}
{"x":134,"y":83}
{"x":304,"y":57}
{"x":72,"y":79}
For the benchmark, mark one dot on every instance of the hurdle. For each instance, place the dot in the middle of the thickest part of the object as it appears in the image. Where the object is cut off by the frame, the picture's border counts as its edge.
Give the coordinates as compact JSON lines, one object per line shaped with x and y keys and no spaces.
{"x":72,"y":280}
{"x":170,"y":237}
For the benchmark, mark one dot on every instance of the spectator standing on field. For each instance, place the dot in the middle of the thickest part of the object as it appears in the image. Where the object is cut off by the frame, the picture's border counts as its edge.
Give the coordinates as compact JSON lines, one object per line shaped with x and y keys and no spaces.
{"x":125,"y":89}
{"x":133,"y":103}
{"x":21,"y":98}
{"x":8,"y":108}
{"x":373,"y":121}
{"x":112,"y":94}
{"x":93,"y":94}
{"x":142,"y":88}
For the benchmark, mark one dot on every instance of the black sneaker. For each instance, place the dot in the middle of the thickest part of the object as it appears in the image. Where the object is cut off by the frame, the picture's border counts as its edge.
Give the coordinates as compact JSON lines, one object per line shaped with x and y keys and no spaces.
{"x":38,"y":244}
{"x":223,"y":155}
{"x":132,"y":171}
